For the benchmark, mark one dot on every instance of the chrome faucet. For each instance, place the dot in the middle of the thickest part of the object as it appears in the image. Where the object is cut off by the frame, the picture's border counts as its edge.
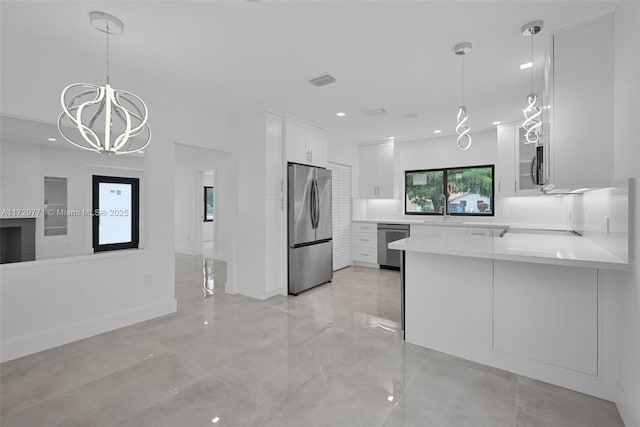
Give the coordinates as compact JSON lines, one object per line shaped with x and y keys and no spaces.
{"x":443,"y":207}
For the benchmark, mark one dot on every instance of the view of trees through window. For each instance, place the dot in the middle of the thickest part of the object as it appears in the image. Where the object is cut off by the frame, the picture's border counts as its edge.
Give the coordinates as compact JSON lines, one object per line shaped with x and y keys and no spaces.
{"x":466,"y":190}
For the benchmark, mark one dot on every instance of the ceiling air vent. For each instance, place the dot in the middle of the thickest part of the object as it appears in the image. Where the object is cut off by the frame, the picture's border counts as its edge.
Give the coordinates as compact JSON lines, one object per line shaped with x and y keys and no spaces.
{"x":322,"y":80}
{"x":375,"y":112}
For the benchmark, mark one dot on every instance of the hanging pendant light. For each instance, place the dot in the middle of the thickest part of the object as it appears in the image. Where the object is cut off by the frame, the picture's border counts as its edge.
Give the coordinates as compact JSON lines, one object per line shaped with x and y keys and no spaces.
{"x":532,"y":112}
{"x":462,"y":129}
{"x":104,"y":119}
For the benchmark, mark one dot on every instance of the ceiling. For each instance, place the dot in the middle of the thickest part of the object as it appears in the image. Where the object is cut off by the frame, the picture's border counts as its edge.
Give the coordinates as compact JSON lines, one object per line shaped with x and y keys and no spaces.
{"x":240,"y":56}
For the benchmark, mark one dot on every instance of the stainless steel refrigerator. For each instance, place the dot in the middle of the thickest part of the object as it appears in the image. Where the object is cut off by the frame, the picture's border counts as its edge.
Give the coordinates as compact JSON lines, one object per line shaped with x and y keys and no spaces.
{"x":310,"y":232}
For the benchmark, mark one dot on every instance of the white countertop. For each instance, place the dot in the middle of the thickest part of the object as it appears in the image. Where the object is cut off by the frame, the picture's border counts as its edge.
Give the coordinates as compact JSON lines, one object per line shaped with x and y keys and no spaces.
{"x":435,"y":223}
{"x":542,"y":249}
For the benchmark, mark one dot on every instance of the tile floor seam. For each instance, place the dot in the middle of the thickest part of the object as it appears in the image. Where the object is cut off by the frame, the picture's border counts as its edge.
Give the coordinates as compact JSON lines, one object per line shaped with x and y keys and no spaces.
{"x":252,"y":400}
{"x":63,"y":391}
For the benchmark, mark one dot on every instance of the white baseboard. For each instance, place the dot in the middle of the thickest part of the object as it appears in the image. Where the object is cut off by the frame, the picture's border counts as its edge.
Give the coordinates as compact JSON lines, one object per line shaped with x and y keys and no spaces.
{"x":365,"y":264}
{"x":220,"y":256}
{"x":230,"y":288}
{"x":184,"y":250}
{"x":77,"y":331}
{"x":630,"y":413}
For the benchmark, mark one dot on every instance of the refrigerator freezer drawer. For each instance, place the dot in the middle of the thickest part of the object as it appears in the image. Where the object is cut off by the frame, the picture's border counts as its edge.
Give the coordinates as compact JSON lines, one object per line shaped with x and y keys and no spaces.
{"x":310,"y":266}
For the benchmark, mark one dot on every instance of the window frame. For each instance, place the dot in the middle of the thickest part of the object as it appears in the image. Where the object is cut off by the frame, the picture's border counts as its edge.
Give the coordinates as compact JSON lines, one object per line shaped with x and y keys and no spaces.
{"x":204,"y":204}
{"x":445,"y":180}
{"x":135,"y":213}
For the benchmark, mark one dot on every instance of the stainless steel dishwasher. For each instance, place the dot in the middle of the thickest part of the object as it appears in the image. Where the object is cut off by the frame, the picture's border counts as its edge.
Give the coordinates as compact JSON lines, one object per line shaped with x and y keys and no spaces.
{"x":387,"y":233}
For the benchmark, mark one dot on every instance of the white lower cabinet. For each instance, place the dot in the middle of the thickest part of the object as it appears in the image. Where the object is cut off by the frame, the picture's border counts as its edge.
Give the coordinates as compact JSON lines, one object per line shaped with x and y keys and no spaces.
{"x":547,"y":313}
{"x":364,"y":242}
{"x":538,"y":320}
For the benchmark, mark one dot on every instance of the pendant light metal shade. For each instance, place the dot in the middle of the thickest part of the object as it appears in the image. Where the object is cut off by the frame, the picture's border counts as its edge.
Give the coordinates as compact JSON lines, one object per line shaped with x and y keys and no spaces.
{"x":463,"y":140}
{"x":101,"y":118}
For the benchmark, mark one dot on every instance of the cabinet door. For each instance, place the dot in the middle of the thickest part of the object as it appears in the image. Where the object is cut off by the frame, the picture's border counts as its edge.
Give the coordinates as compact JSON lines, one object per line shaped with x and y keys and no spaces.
{"x":384,"y":163}
{"x":315,"y":145}
{"x":554,"y":307}
{"x":368,"y":178}
{"x":296,"y":136}
{"x":505,"y":177}
{"x":583,"y":105}
{"x":525,"y":159}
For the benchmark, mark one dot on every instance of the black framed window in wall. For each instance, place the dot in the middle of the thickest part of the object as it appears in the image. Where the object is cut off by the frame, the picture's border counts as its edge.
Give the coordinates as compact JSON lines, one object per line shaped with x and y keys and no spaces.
{"x":116,"y":203}
{"x":208,"y":204}
{"x":461,"y":191}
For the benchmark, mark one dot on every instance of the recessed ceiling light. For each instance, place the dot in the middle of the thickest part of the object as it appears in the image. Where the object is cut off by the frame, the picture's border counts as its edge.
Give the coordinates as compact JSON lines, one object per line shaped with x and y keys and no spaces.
{"x":496,"y":123}
{"x":391,"y":138}
{"x":341,"y":114}
{"x":526,"y":65}
{"x":51,"y":139}
{"x":410,"y":116}
{"x":437,"y":131}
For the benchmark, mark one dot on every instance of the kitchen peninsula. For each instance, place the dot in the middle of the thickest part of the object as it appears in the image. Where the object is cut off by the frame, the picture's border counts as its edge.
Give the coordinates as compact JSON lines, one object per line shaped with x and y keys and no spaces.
{"x":526,"y":302}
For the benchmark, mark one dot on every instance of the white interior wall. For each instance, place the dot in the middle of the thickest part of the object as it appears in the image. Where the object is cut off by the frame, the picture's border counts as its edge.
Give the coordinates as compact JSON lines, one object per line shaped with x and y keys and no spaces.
{"x":20,"y":168}
{"x":346,"y":153}
{"x":625,"y":287}
{"x":184,"y":209}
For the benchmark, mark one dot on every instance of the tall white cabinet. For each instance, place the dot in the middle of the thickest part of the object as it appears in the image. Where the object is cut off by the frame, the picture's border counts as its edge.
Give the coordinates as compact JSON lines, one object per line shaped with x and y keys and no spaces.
{"x":581,"y":80}
{"x":376,"y":171}
{"x":261,"y":214}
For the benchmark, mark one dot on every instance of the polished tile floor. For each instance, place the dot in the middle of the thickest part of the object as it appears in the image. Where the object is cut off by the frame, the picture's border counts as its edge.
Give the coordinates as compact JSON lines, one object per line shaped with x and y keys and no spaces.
{"x":332,"y":356}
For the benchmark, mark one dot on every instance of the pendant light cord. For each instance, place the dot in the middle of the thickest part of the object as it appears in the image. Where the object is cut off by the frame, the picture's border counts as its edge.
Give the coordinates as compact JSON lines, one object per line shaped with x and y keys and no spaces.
{"x":107,"y":52}
{"x":532,"y":63}
{"x":463,"y":79}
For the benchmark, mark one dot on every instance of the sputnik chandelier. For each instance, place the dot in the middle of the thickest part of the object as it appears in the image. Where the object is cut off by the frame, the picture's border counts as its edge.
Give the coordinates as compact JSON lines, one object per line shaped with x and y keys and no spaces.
{"x":532,"y":112}
{"x":464,"y":139}
{"x":101,"y":118}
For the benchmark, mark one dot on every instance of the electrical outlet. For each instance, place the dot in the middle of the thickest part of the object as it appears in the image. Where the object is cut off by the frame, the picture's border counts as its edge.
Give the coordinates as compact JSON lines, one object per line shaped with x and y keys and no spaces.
{"x":505,"y":213}
{"x":147,"y":280}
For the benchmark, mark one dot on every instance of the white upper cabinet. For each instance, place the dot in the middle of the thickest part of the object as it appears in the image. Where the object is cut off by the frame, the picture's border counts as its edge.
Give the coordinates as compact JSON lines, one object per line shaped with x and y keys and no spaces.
{"x":582,"y":123}
{"x":505,"y":184}
{"x":514,"y":164}
{"x":376,"y":171}
{"x":306,"y":143}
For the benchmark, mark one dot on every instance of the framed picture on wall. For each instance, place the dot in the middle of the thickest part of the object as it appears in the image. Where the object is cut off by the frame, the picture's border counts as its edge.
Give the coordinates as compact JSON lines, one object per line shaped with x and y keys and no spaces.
{"x":208,"y":204}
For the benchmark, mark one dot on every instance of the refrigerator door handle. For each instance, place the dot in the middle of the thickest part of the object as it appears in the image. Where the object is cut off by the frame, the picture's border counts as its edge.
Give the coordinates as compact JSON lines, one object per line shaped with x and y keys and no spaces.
{"x":315,"y":182}
{"x":314,"y":205}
